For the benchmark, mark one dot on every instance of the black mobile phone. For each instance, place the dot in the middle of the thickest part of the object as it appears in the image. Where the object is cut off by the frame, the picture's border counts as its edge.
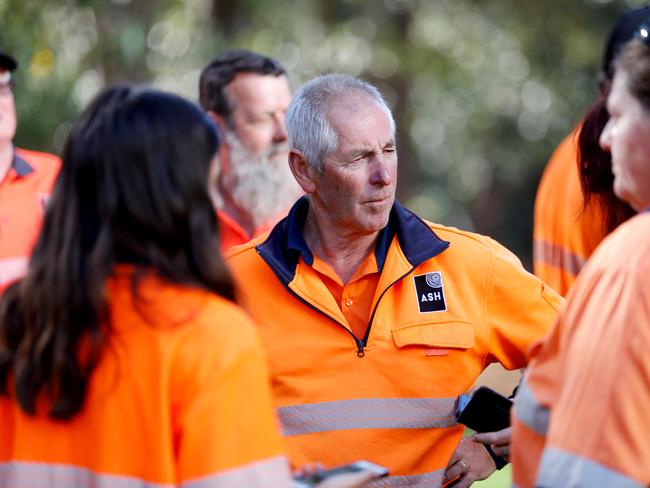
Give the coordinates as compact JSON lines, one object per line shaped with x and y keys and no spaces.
{"x":356,"y":467}
{"x":485,"y":411}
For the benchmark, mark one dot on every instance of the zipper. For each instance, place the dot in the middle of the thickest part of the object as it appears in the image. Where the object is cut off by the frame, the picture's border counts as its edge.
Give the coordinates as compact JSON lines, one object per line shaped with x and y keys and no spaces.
{"x":374,"y":310}
{"x":361,"y":343}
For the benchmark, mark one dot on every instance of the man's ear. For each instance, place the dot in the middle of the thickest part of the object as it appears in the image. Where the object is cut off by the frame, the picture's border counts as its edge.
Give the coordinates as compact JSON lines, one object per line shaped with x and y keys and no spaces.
{"x":302,"y":171}
{"x":217,"y":119}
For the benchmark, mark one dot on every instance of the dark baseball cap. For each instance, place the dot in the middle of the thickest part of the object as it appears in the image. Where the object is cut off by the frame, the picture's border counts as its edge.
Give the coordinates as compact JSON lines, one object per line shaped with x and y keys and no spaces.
{"x":7,"y":61}
{"x":620,"y":35}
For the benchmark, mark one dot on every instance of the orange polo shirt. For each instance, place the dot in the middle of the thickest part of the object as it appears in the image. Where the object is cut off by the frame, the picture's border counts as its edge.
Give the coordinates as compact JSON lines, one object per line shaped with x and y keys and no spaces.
{"x":355,"y":296}
{"x":24,"y":192}
{"x":232,"y":234}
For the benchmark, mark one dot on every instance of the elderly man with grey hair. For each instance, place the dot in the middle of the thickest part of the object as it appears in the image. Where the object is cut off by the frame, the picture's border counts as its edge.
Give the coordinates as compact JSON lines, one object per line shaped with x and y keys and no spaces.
{"x":373,"y":319}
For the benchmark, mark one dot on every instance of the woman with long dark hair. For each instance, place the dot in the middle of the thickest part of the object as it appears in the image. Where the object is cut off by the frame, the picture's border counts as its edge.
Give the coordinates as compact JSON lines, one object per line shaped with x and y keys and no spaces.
{"x":575,"y":206}
{"x":123,"y":359}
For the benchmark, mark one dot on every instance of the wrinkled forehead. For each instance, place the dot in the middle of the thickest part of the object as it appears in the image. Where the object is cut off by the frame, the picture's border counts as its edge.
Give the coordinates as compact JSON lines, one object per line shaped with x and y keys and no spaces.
{"x":353,"y":111}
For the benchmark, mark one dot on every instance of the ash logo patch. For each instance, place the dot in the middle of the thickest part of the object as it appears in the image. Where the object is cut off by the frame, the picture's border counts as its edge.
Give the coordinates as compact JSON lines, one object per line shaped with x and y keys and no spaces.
{"x":430,"y":293}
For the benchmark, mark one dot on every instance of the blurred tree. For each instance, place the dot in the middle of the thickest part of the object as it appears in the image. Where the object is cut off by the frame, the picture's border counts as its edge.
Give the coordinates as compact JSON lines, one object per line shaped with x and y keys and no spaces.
{"x":482,"y":90}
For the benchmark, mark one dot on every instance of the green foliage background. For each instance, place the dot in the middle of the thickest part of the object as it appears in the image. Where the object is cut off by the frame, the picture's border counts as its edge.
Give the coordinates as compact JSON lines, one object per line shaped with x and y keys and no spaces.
{"x":482,"y":90}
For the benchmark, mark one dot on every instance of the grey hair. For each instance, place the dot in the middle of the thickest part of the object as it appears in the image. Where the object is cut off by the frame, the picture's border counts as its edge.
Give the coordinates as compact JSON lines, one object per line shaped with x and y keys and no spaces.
{"x":308,"y":127}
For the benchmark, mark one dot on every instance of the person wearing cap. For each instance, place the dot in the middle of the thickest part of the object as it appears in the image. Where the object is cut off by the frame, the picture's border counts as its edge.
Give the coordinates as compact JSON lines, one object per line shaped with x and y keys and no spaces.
{"x":575,"y":206}
{"x":581,"y":413}
{"x":247,"y":95}
{"x":26,"y":181}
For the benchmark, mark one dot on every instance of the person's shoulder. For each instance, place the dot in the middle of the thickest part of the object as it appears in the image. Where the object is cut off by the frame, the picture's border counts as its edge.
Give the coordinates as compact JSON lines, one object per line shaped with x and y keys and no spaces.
{"x":474,"y":249}
{"x":628,"y":247}
{"x":42,"y":160}
{"x":221,"y":316}
{"x":243,"y":252}
{"x":46,"y":166}
{"x":463,"y":237}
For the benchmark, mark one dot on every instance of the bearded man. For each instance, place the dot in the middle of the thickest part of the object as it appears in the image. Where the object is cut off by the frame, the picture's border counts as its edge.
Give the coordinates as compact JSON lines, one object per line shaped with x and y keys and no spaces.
{"x":247,"y":96}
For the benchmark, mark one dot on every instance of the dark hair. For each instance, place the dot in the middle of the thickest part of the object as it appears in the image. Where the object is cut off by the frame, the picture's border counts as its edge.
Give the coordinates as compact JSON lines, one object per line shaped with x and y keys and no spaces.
{"x":595,"y":169}
{"x":132,"y":189}
{"x":622,"y":32}
{"x":223,"y":69}
{"x":634,"y":61}
{"x":594,"y":164}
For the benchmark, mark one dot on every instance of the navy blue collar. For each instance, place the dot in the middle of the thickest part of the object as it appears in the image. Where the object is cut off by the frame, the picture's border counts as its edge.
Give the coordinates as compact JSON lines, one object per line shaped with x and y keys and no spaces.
{"x":286,"y":244}
{"x":297,"y":245}
{"x":20,"y":166}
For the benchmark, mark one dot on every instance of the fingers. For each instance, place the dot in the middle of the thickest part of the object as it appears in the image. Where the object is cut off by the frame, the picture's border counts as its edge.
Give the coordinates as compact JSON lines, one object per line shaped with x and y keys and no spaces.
{"x":308,"y":469}
{"x":464,"y":482}
{"x":455,"y":470}
{"x":485,"y":438}
{"x":348,"y":480}
{"x":497,"y":438}
{"x":503,"y":451}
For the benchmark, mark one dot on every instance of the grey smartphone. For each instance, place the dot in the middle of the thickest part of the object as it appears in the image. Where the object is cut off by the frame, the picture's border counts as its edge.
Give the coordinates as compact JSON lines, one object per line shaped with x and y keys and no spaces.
{"x":356,"y":467}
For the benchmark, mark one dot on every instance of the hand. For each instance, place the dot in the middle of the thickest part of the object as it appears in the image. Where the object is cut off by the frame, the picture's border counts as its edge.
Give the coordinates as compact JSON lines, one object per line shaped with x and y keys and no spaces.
{"x":343,"y":480}
{"x":499,"y":441}
{"x":308,"y":469}
{"x":469,"y":463}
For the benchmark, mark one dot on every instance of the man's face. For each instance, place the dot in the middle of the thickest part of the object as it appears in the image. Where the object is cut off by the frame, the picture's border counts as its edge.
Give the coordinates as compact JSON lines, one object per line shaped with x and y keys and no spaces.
{"x":260,"y":103}
{"x":627,"y":137}
{"x":262,"y":187}
{"x":7,"y":110}
{"x":357,"y":186}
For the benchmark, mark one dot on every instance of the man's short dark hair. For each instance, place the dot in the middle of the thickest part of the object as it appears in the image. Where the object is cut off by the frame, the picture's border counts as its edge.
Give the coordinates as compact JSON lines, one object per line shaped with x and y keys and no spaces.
{"x":223,"y":69}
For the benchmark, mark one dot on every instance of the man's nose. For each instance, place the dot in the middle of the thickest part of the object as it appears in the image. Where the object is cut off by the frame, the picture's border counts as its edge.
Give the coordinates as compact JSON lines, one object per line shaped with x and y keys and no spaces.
{"x":279,"y":129}
{"x":380,"y":174}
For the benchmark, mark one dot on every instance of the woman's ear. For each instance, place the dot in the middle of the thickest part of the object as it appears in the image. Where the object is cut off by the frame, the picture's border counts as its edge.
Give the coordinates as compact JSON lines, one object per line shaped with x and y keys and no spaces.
{"x":302,"y":171}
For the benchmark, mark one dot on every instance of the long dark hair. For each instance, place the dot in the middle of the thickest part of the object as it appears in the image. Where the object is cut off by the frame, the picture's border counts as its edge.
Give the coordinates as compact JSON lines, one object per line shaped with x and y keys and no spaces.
{"x":133,"y":188}
{"x":595,"y":169}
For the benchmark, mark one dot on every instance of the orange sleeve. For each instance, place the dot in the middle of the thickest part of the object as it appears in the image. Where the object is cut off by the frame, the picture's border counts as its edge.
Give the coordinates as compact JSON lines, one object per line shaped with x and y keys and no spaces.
{"x":225,"y":426}
{"x":601,"y":415}
{"x":519,"y":309}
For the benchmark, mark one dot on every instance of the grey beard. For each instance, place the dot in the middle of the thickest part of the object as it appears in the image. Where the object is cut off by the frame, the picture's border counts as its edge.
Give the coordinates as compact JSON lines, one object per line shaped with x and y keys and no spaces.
{"x":260,"y":187}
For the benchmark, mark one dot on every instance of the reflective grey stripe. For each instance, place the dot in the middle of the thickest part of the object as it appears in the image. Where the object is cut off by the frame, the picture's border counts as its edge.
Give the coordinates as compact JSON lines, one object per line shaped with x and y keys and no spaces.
{"x":261,"y":474}
{"x":557,"y":256}
{"x":368,"y":413}
{"x":529,"y":410}
{"x":25,"y":474}
{"x":560,"y":468}
{"x":425,"y":480}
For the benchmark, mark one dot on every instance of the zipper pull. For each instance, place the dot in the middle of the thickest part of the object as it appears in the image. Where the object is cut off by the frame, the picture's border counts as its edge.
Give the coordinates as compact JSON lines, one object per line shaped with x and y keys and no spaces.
{"x":360,"y":352}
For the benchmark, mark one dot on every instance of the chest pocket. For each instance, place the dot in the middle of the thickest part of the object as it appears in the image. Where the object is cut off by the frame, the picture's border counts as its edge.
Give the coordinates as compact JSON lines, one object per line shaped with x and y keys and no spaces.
{"x":448,"y":334}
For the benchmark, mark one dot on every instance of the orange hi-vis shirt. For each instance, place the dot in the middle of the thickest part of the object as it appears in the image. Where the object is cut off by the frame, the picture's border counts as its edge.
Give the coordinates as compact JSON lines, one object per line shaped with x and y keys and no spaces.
{"x":24,"y":192}
{"x":179,"y":398}
{"x":355,"y":296}
{"x":581,"y":415}
{"x":564,"y":235}
{"x":232,"y":234}
{"x":447,"y":304}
